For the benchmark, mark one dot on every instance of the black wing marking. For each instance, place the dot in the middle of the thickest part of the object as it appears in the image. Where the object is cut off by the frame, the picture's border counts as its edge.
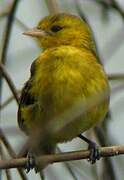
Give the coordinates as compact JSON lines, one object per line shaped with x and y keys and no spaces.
{"x":33,"y":67}
{"x":26,"y":99}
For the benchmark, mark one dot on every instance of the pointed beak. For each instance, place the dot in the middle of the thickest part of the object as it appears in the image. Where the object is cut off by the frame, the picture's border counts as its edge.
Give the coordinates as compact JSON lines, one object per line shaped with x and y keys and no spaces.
{"x":35,"y":32}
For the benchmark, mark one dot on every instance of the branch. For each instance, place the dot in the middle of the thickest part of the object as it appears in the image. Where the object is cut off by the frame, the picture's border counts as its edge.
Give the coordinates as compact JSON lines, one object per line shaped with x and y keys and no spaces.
{"x":113,"y":44}
{"x":10,"y":82}
{"x":7,"y":37}
{"x":52,"y":6}
{"x":103,"y":138}
{"x":116,"y":76}
{"x":8,"y":174}
{"x":7,"y":144}
{"x":9,"y":100}
{"x":103,"y":3}
{"x":67,"y":165}
{"x":111,"y":4}
{"x":11,"y":153}
{"x":18,"y":21}
{"x":7,"y":171}
{"x":6,"y":10}
{"x":118,"y":8}
{"x":117,"y":89}
{"x":44,"y":160}
{"x":8,"y":30}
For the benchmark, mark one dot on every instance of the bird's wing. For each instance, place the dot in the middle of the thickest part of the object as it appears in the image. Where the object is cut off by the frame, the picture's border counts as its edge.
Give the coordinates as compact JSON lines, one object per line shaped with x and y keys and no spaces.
{"x":26,"y":99}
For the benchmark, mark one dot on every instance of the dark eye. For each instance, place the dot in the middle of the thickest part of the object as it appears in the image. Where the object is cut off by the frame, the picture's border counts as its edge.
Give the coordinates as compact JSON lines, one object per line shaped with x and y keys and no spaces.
{"x":56,"y":28}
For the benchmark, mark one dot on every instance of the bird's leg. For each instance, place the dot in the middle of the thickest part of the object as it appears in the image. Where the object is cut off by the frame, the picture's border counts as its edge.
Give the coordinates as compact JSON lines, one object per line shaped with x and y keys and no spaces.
{"x":94,"y":150}
{"x":30,"y":161}
{"x":32,"y":164}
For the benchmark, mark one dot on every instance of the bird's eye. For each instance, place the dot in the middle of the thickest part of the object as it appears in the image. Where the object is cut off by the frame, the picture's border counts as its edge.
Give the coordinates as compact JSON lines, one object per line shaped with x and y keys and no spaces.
{"x":56,"y":28}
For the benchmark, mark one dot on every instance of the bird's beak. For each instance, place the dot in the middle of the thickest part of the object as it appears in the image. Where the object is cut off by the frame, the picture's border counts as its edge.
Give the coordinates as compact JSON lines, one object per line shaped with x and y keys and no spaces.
{"x":35,"y":32}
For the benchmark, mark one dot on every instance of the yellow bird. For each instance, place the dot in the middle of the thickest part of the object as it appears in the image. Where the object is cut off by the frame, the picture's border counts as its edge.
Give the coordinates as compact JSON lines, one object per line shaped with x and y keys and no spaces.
{"x":67,"y":92}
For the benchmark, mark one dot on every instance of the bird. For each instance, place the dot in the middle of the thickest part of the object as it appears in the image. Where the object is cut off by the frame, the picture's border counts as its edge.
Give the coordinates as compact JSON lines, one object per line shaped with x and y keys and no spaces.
{"x":67,"y":92}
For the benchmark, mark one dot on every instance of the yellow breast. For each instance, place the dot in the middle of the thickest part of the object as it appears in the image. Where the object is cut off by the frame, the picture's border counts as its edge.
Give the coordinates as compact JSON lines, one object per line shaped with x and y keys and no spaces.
{"x":71,"y":90}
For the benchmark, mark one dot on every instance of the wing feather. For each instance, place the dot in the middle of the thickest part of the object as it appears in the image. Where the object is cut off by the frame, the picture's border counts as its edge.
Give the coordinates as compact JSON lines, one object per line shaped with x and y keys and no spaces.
{"x":26,"y":98}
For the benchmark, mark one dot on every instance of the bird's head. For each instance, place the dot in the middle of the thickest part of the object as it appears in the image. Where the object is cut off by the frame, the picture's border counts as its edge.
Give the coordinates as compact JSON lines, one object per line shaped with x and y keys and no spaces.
{"x":62,"y":29}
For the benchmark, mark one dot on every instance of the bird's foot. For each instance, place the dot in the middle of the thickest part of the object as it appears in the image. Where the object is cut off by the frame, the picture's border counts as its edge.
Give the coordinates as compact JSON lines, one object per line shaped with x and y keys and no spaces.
{"x":94,"y":152}
{"x":93,"y":148}
{"x":30,"y":162}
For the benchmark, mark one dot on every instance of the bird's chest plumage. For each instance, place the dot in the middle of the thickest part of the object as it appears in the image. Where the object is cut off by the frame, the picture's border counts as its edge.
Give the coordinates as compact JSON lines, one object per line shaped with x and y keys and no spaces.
{"x":64,"y":83}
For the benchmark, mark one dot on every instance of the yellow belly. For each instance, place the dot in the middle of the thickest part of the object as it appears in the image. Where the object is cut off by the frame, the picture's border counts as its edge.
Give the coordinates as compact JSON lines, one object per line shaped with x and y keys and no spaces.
{"x":72,"y":93}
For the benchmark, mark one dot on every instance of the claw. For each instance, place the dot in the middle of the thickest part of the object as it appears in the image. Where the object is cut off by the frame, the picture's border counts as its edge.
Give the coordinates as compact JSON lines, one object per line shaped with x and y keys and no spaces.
{"x":30,"y":162}
{"x":94,"y":152}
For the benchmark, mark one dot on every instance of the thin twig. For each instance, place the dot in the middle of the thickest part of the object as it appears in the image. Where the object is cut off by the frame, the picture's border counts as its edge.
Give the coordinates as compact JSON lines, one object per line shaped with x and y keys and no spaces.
{"x":52,"y":6}
{"x":115,"y":76}
{"x":7,"y":144}
{"x":11,"y":153}
{"x":44,"y":160}
{"x":17,"y":20}
{"x":111,"y":4}
{"x":8,"y":173}
{"x":117,"y":89}
{"x":108,"y":169}
{"x":8,"y":30}
{"x":8,"y":101}
{"x":67,"y":165}
{"x":83,"y":17}
{"x":7,"y":37}
{"x":113,"y":45}
{"x":21,"y":24}
{"x":118,"y":8}
{"x":6,"y":10}
{"x":10,"y":82}
{"x":103,"y":3}
{"x":11,"y":131}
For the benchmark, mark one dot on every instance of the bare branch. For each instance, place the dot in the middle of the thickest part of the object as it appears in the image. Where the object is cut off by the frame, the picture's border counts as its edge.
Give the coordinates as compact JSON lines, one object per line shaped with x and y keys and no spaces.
{"x":11,"y":153}
{"x":8,"y":30}
{"x":44,"y":160}
{"x":116,"y":5}
{"x":67,"y":165}
{"x":116,"y":76}
{"x":52,"y":6}
{"x":10,"y":82}
{"x":101,"y":133}
{"x":8,"y":174}
{"x":111,"y":4}
{"x":7,"y":37}
{"x":6,"y":10}
{"x":9,"y":100}
{"x":7,"y":171}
